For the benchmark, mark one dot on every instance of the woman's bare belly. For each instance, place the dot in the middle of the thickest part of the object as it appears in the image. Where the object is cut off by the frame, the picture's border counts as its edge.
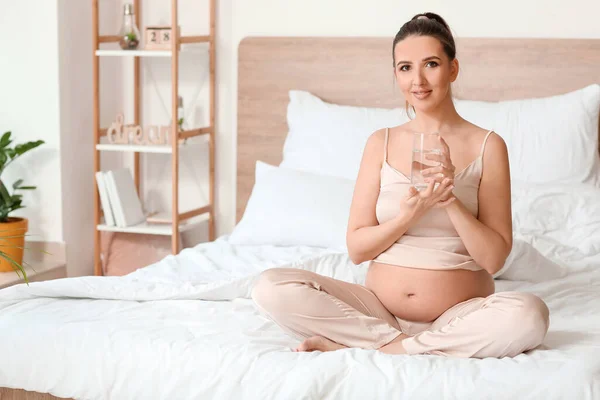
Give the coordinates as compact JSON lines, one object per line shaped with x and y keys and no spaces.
{"x":423,"y":295}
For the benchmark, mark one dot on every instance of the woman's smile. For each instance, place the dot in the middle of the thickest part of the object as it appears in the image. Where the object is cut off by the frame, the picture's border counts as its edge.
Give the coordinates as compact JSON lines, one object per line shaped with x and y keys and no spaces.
{"x":421,"y":94}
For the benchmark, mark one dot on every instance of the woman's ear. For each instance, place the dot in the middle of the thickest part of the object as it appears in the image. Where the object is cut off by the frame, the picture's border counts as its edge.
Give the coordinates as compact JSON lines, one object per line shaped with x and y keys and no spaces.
{"x":454,"y":68}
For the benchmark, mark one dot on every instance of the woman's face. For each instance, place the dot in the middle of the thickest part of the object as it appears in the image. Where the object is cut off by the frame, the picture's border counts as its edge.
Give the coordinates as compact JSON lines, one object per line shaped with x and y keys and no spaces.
{"x":423,"y":71}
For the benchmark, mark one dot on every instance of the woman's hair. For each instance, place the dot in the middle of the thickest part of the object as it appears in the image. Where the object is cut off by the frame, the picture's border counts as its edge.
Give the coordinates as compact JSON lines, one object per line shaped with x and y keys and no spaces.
{"x":427,"y":24}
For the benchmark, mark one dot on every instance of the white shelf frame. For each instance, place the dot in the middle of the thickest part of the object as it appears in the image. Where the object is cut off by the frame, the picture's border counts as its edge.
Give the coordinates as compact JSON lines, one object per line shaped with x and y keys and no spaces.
{"x":133,"y":53}
{"x":147,"y":53}
{"x":148,"y":148}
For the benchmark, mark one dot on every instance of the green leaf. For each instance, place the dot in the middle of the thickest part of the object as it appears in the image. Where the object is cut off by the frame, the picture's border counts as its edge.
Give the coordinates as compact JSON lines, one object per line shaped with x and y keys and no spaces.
{"x":4,"y":193}
{"x":23,"y":148}
{"x":16,"y":266}
{"x":10,"y":202}
{"x":3,"y":159}
{"x":5,"y":140}
{"x":30,"y":266}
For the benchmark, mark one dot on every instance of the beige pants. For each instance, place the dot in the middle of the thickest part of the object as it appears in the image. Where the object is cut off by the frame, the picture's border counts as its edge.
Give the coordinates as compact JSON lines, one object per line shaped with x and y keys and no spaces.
{"x":304,"y":304}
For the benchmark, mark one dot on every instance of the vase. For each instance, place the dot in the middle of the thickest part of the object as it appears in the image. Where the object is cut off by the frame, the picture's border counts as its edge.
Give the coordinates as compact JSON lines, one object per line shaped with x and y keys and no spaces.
{"x":12,"y":241}
{"x":130,"y":34}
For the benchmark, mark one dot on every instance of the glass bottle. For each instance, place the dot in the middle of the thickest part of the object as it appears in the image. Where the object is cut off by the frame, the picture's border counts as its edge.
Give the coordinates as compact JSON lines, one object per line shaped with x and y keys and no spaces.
{"x":130,"y":34}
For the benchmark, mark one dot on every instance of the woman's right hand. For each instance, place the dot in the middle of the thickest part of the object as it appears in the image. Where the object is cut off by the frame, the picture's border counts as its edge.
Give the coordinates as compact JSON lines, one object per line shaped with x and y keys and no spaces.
{"x":419,"y":202}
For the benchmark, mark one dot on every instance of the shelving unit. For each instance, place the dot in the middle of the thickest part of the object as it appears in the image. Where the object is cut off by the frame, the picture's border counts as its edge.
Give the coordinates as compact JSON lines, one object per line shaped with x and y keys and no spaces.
{"x":180,"y":222}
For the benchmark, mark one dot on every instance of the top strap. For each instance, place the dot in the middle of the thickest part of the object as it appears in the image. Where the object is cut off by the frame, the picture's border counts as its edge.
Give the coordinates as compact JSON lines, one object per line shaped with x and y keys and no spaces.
{"x":387,"y":130}
{"x":484,"y":141}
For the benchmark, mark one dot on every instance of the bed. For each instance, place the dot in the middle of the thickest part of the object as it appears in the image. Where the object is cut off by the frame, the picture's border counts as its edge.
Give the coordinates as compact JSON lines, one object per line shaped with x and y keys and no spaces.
{"x":186,"y":327}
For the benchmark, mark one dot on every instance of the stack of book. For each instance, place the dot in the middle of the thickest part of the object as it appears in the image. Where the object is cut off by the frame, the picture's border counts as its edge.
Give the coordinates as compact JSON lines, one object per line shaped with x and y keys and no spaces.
{"x":120,"y":202}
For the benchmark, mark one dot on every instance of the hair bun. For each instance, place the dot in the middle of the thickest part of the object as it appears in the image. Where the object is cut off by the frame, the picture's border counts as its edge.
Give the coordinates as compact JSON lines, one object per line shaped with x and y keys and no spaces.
{"x":433,"y":17}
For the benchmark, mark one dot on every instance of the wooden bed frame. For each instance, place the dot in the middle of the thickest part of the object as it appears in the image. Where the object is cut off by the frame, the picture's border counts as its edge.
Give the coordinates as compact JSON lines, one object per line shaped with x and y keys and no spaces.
{"x":357,"y":71}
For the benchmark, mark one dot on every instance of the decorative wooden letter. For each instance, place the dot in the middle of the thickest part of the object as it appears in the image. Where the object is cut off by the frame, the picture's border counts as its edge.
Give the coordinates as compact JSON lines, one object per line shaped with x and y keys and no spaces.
{"x":116,"y":129}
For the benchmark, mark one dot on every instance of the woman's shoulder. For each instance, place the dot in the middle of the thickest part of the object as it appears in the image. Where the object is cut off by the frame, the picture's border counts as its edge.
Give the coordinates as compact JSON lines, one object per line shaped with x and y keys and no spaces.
{"x":378,"y":138}
{"x":489,"y":144}
{"x":477,"y":135}
{"x":401,"y":129}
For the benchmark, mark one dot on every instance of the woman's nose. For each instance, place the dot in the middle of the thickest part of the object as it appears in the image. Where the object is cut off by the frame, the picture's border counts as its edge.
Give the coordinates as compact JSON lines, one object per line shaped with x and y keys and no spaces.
{"x":418,"y":78}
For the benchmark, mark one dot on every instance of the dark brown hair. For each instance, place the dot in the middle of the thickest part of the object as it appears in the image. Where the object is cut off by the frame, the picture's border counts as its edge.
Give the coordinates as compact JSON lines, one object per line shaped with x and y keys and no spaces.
{"x":427,"y":24}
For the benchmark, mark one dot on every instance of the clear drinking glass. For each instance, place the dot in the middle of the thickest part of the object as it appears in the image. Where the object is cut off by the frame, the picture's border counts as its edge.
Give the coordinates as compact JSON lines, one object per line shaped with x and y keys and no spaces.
{"x":423,"y":144}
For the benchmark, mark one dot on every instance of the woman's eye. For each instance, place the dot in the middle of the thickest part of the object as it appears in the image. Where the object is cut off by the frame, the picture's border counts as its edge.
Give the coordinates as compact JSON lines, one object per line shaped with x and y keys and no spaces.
{"x":404,"y":68}
{"x":433,"y":63}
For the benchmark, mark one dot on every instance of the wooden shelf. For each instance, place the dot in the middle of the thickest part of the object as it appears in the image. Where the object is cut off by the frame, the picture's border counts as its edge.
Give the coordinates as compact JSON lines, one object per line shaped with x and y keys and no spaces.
{"x":155,"y":229}
{"x":181,"y":45}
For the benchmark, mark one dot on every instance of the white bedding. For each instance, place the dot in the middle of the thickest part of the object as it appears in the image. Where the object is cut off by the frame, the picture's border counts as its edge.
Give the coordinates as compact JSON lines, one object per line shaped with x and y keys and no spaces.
{"x":185,"y":328}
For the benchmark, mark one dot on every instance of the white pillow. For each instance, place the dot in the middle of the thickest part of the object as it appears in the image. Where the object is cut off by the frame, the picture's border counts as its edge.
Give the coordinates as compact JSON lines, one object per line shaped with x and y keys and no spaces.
{"x":293,"y":208}
{"x":329,"y":139}
{"x":550,"y":140}
{"x":526,"y":263}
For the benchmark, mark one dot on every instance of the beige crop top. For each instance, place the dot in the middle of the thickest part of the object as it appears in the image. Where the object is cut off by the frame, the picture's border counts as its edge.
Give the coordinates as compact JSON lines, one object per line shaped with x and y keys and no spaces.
{"x":432,"y":241}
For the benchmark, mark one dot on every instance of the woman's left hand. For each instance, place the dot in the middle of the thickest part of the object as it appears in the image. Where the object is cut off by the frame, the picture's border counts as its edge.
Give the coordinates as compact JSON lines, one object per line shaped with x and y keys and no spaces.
{"x":445,"y":169}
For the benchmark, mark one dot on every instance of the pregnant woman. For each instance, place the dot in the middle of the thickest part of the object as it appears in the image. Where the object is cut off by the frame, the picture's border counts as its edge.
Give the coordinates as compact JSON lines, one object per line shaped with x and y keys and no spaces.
{"x":429,"y":288}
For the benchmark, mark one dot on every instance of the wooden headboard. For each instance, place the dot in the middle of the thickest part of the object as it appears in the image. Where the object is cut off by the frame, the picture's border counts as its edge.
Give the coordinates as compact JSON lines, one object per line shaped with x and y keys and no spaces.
{"x":358,"y":71}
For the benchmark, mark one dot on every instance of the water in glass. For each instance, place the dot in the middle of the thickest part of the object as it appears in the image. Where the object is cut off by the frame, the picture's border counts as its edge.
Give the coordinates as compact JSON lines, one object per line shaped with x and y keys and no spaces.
{"x":423,"y":145}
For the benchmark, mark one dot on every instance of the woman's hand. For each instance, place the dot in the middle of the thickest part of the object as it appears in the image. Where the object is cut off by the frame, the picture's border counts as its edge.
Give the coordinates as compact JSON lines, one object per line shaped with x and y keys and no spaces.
{"x":418,"y":202}
{"x":445,"y":169}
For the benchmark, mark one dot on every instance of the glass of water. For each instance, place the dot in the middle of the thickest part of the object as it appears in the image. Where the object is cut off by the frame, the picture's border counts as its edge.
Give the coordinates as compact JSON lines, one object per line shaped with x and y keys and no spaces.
{"x":423,"y":145}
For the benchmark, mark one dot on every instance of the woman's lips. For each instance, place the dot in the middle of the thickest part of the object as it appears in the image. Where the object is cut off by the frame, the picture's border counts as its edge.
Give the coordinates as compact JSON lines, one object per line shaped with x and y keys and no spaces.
{"x":421,"y":94}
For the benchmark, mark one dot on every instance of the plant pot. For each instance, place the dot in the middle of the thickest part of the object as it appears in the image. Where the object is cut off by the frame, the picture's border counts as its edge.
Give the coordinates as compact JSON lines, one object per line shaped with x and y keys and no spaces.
{"x":11,"y":245}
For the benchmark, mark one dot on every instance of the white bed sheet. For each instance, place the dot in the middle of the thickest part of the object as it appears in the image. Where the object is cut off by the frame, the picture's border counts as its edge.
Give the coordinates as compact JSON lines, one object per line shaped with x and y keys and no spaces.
{"x":185,"y":328}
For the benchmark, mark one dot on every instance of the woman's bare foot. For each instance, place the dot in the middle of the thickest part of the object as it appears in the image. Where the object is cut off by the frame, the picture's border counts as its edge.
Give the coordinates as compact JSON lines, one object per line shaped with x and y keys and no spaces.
{"x":319,"y":343}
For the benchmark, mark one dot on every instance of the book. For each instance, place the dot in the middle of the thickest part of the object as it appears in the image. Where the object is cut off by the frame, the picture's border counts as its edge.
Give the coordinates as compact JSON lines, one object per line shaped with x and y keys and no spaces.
{"x":124,"y":199}
{"x":112,"y":196}
{"x":109,"y":218}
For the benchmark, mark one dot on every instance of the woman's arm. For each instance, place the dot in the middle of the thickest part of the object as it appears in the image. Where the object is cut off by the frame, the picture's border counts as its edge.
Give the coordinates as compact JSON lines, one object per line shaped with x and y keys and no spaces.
{"x":489,"y":238}
{"x":365,"y":238}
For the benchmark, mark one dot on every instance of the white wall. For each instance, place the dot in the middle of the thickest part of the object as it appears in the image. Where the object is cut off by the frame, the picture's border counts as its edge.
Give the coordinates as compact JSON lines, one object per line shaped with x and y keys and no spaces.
{"x":30,"y":108}
{"x":467,"y":18}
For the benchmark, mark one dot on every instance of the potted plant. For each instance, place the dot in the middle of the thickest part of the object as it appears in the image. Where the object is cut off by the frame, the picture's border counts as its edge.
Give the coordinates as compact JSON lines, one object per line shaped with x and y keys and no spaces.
{"x":12,"y":229}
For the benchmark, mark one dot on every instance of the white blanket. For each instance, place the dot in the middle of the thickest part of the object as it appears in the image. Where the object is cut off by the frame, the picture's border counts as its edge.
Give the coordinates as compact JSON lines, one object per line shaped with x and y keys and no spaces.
{"x":185,"y":328}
